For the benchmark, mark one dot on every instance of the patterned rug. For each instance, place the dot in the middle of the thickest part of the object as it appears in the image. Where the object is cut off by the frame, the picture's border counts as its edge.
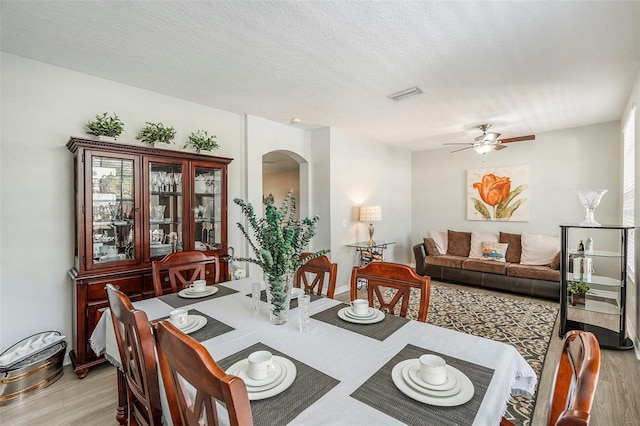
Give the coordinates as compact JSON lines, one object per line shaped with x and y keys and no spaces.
{"x":527,"y":326}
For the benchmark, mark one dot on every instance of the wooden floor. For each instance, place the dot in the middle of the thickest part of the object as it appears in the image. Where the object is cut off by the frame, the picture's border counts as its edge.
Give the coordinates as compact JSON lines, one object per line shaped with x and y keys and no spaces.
{"x":91,"y":401}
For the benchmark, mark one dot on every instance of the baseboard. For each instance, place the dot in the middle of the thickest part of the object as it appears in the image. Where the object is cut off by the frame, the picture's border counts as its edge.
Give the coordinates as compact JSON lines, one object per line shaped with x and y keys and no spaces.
{"x":343,"y":289}
{"x":631,"y":333}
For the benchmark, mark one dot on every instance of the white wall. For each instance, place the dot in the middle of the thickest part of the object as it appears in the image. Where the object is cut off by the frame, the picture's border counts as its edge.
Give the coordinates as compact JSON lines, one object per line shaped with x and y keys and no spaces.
{"x":559,"y":163}
{"x":42,"y":106}
{"x":279,"y":183}
{"x":364,"y":172}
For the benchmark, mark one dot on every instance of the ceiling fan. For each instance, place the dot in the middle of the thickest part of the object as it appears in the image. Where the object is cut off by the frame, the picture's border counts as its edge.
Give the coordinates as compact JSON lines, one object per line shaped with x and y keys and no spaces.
{"x":489,"y":141}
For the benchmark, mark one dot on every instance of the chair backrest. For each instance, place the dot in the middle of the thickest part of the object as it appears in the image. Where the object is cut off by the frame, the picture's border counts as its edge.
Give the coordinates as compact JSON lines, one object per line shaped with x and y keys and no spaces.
{"x":193,"y":381}
{"x":311,"y":276}
{"x":137,"y":354}
{"x":182,"y":269}
{"x":576,"y":378}
{"x":391,"y":284}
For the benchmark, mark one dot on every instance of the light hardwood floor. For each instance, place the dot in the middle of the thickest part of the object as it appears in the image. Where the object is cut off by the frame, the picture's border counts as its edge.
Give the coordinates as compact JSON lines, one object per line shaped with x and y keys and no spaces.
{"x":91,"y":401}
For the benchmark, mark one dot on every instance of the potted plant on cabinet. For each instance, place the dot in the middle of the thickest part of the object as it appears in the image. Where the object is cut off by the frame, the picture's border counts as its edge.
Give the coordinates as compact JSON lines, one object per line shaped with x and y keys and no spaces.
{"x":154,"y":133}
{"x":105,"y":126}
{"x":577,"y":292}
{"x":279,"y":240}
{"x":201,"y":141}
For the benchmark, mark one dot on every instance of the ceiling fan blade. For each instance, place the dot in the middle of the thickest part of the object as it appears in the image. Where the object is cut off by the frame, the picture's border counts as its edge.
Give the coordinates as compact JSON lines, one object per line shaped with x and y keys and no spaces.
{"x":457,"y":143}
{"x":518,"y":139}
{"x":487,"y":137}
{"x":462,"y":149}
{"x":499,"y":146}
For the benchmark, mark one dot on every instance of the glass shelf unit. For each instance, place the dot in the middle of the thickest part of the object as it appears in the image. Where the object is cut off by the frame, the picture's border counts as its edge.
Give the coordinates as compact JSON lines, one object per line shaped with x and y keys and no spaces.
{"x":605,"y":301}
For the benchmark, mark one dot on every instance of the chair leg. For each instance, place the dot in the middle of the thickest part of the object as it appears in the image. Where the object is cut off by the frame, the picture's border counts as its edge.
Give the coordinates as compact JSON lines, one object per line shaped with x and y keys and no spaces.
{"x":122,"y":407}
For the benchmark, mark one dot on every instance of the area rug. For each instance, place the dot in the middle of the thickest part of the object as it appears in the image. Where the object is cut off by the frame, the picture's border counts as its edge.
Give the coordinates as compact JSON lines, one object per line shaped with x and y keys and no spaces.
{"x":527,"y":326}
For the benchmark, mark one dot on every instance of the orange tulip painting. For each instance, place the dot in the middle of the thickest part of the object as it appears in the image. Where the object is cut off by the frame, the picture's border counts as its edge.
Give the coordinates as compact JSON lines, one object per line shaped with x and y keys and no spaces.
{"x":491,"y":196}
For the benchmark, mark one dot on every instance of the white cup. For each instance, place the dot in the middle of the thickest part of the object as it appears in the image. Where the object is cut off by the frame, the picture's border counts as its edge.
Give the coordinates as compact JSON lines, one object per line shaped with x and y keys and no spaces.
{"x":360,"y":306}
{"x":260,"y":365}
{"x":433,"y":369}
{"x":198,"y":285}
{"x":178,"y":317}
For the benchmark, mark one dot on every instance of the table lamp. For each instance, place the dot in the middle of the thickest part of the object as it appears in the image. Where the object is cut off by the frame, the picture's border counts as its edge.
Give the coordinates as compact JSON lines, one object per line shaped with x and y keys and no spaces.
{"x":370,"y":214}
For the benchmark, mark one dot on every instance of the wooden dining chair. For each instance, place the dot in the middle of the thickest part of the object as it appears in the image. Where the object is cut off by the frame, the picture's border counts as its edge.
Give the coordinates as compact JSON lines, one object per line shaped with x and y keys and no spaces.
{"x":311,"y":276}
{"x":181,"y":268}
{"x":575,"y":381}
{"x":390,"y":284}
{"x":193,"y":382}
{"x":138,"y":359}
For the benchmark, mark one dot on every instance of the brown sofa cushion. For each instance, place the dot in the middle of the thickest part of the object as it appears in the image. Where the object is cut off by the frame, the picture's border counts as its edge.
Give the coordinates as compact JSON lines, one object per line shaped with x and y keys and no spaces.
{"x":490,"y":266}
{"x":514,"y":251}
{"x":432,"y":247}
{"x":534,"y":272}
{"x":445,"y":260}
{"x":555,"y":263}
{"x":459,"y":243}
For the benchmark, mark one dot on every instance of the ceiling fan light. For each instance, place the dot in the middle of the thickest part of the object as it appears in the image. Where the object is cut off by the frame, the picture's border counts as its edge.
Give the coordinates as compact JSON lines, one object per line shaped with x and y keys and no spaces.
{"x":483,"y":148}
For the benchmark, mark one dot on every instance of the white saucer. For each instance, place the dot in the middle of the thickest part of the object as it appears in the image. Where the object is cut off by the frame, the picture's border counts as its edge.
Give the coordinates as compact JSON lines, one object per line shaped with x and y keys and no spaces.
{"x":379,"y":316}
{"x":449,"y":388}
{"x":295,"y":292}
{"x":371,"y":313}
{"x":465,"y":394}
{"x":289,"y":371}
{"x":190,"y":322}
{"x":240,"y":369}
{"x":194,"y":323}
{"x":190,"y":294}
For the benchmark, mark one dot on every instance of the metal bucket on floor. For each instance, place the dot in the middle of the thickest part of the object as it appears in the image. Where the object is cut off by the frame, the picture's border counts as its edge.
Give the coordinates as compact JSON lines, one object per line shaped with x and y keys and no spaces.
{"x":36,"y":372}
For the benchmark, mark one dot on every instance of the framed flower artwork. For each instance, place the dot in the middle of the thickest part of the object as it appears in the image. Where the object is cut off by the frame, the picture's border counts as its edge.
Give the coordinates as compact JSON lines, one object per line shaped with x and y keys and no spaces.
{"x":498,"y":194}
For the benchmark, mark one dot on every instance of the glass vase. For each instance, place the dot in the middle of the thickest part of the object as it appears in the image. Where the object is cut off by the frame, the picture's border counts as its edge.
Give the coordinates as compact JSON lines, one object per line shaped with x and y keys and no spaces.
{"x":590,"y":198}
{"x":279,"y":297}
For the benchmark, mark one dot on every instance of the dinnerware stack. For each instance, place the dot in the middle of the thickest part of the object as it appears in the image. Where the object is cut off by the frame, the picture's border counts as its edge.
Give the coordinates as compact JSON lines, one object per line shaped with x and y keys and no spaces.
{"x":295,"y":292}
{"x":359,"y":312}
{"x":185,"y":322}
{"x":430,"y":380}
{"x":195,"y":293}
{"x":29,"y":347}
{"x":264,"y":374}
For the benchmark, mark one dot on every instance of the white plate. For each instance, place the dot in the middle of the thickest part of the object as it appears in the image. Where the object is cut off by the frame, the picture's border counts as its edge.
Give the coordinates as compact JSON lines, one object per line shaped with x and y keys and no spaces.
{"x":465,"y":394}
{"x":191,"y":320}
{"x":290,"y":375}
{"x":240,"y":369}
{"x":295,"y":292}
{"x":187,"y":294}
{"x":197,"y":324}
{"x":449,"y":388}
{"x":371,"y":313}
{"x":377,"y":318}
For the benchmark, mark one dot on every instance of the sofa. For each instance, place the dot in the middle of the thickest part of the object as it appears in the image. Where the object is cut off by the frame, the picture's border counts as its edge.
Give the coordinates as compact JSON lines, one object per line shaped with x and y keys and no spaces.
{"x":526,"y":264}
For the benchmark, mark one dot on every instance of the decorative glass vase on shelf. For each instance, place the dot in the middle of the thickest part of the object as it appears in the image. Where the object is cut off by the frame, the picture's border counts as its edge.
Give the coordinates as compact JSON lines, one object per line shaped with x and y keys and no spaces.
{"x":590,"y":199}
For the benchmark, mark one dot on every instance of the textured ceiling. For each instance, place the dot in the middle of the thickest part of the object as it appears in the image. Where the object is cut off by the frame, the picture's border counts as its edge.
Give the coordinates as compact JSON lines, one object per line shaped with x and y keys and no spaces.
{"x":526,"y":67}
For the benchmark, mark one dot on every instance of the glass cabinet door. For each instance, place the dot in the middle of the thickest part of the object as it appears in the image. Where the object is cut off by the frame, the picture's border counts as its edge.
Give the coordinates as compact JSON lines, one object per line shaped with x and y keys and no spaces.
{"x":207,"y":208}
{"x":165,"y":208}
{"x":112,"y":209}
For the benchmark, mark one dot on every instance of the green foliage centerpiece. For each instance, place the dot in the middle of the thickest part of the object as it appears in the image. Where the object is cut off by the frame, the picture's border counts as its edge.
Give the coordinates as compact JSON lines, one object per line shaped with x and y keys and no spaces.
{"x":278,"y":240}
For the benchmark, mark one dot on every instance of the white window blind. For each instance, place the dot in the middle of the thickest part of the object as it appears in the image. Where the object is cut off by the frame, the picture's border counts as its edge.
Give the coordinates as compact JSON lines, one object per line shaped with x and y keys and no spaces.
{"x":628,"y":185}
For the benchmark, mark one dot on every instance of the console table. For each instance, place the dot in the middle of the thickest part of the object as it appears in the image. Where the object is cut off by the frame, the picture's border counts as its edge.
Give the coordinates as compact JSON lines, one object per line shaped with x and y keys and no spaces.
{"x":370,"y":252}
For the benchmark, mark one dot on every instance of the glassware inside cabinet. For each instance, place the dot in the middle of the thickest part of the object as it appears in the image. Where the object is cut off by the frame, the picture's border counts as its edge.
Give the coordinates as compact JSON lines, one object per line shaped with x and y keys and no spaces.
{"x":165,"y":209}
{"x":207,"y":208}
{"x":112,"y":209}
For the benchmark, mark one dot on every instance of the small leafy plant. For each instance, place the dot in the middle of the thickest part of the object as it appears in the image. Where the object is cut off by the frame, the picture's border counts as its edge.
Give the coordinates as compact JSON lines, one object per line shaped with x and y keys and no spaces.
{"x":201,"y":141}
{"x":578,"y":288}
{"x":154,"y":133}
{"x":105,"y":125}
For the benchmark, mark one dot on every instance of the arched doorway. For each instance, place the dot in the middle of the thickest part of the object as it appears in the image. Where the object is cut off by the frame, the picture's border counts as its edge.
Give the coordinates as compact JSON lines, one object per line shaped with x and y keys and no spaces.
{"x":281,"y":172}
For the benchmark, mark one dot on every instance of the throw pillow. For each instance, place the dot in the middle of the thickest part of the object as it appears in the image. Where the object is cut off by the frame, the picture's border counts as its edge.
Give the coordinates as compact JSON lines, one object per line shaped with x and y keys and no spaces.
{"x":494,"y":251}
{"x":477,"y":238}
{"x":555,"y":263}
{"x":539,"y":249}
{"x":432,"y":248}
{"x":440,"y":238}
{"x":514,"y":251}
{"x":459,"y":243}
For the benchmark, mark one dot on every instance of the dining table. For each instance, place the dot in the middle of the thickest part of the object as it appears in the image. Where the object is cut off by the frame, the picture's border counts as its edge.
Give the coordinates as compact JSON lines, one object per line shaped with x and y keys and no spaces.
{"x":345,"y":373}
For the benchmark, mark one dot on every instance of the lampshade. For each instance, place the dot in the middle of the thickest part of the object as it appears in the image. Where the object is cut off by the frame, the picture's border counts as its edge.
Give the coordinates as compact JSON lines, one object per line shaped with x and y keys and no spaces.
{"x":370,"y":213}
{"x":483,"y":148}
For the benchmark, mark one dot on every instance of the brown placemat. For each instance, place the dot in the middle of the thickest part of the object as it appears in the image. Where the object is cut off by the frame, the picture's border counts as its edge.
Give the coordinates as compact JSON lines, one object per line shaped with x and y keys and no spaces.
{"x":176,"y":301}
{"x":212,"y":329}
{"x":381,"y":393}
{"x":308,"y":386}
{"x":294,"y":302}
{"x":379,"y":331}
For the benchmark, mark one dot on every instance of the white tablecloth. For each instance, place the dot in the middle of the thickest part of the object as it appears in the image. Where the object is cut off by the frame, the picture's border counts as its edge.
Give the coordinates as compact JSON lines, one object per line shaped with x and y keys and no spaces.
{"x":346,"y":356}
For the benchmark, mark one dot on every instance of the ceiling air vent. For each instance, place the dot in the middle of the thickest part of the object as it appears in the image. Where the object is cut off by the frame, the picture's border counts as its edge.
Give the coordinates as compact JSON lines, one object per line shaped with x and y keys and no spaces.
{"x":405,"y":93}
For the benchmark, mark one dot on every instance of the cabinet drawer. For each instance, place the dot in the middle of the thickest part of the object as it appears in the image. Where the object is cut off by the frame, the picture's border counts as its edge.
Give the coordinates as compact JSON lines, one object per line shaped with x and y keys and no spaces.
{"x":128,"y":285}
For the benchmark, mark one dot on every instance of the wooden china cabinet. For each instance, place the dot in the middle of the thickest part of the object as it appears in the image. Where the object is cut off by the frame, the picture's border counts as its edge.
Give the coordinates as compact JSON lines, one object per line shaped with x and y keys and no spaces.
{"x":133,"y":205}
